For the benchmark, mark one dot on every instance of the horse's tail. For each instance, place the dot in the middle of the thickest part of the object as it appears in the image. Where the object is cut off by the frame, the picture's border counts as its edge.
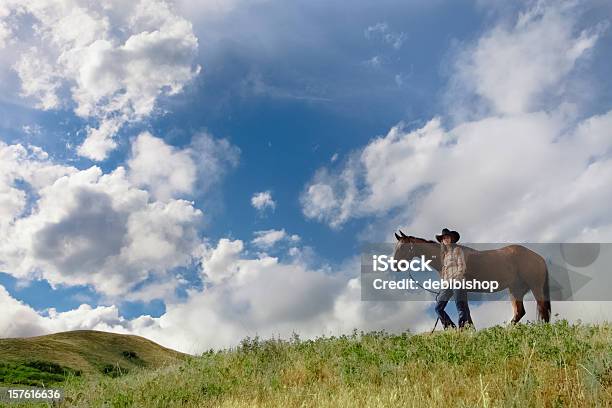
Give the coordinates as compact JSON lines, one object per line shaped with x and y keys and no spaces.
{"x":544,"y":304}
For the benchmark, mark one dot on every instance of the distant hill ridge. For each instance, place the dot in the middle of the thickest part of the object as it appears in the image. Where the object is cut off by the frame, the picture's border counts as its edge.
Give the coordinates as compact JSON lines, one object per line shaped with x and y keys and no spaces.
{"x":50,"y":358}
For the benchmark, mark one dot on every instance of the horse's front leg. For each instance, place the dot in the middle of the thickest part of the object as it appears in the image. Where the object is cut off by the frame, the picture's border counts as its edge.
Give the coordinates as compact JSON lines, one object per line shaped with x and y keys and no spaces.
{"x":519,"y":310}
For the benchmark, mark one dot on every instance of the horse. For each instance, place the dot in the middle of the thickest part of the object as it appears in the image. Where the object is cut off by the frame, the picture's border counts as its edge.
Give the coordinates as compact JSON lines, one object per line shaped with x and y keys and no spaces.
{"x":514,"y":267}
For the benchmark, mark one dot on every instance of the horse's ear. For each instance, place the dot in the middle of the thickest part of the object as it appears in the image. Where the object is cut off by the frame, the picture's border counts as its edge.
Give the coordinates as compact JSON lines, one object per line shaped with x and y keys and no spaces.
{"x":403,"y":235}
{"x":397,"y":236}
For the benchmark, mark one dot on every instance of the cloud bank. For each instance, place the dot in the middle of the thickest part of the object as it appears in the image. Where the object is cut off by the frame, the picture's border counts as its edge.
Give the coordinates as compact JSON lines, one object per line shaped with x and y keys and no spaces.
{"x":523,"y":166}
{"x":236,"y":302}
{"x":112,"y":230}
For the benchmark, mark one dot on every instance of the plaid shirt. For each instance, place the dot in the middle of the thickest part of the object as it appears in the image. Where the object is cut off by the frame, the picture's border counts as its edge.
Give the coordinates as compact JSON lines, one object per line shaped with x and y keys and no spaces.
{"x":453,"y":263}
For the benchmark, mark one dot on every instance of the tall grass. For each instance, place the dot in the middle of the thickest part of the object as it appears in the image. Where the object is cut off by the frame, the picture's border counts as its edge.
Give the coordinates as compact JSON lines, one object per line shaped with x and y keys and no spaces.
{"x":526,"y":365}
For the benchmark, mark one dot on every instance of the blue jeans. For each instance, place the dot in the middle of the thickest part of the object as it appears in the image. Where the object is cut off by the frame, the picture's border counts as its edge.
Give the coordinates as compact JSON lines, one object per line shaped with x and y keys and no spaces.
{"x":461,"y":301}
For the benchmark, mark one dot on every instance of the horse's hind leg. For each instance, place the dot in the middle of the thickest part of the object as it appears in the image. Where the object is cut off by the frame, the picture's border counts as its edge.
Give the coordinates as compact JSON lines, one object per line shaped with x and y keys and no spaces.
{"x":538,"y":284}
{"x":544,"y":310}
{"x":517,"y":293}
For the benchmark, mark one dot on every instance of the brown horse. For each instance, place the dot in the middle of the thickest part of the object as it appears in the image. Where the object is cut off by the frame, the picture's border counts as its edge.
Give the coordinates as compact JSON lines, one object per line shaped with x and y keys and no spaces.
{"x":514,"y":267}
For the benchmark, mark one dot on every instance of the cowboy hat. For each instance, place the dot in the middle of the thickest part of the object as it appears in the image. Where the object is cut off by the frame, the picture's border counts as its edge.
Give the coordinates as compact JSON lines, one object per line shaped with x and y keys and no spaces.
{"x":453,"y":234}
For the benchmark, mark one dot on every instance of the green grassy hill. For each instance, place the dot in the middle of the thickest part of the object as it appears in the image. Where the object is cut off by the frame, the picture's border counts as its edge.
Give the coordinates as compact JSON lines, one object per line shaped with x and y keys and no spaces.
{"x":525,"y":365}
{"x":51,"y":359}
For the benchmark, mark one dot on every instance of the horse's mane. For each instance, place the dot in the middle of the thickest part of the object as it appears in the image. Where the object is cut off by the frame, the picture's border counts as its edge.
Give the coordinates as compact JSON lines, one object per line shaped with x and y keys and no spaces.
{"x":422,"y":240}
{"x":429,"y":241}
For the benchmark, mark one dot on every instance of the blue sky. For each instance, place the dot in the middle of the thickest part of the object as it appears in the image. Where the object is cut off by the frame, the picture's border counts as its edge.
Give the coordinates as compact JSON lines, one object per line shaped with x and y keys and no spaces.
{"x":293,"y":85}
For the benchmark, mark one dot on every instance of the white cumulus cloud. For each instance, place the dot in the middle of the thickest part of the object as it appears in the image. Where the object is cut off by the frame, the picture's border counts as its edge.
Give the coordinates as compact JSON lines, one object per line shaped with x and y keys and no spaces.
{"x":267,"y":239}
{"x":113,"y":59}
{"x":171,"y":172}
{"x":518,"y":67}
{"x":165,"y":170}
{"x":263,"y":200}
{"x":87,"y":227}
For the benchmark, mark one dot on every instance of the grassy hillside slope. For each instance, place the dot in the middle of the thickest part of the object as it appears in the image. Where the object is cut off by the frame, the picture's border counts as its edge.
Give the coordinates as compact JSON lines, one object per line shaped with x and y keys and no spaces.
{"x":526,"y":365}
{"x":50,"y":359}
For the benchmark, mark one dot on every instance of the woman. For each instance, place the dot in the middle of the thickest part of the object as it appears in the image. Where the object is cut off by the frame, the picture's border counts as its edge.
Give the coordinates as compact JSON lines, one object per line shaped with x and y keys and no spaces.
{"x":453,"y":268}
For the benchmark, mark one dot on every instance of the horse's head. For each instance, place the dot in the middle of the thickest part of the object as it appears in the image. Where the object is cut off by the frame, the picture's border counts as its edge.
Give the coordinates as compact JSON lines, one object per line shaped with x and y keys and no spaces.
{"x":407,"y":246}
